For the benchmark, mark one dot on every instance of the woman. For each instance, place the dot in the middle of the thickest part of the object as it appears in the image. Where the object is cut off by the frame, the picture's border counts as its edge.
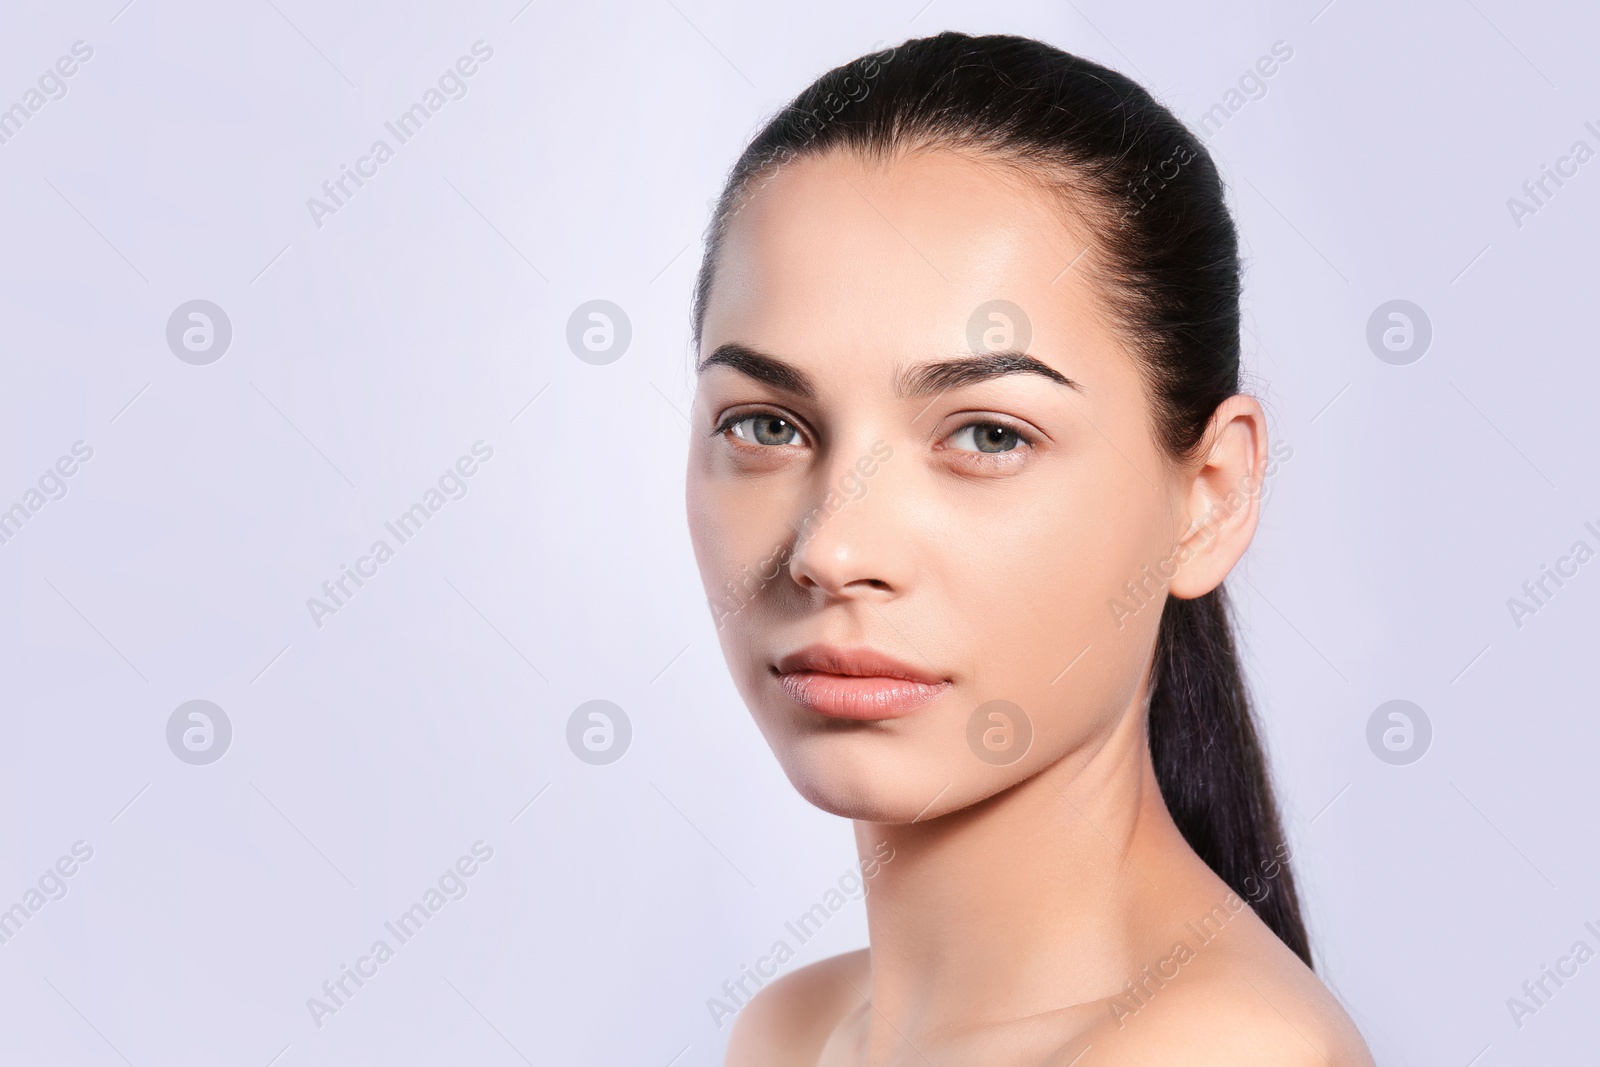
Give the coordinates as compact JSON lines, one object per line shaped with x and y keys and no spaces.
{"x":970,"y":465}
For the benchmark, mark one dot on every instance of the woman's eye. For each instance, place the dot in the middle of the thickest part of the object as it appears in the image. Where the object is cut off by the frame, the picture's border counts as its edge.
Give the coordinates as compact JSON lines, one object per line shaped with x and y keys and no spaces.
{"x":986,"y":437}
{"x":764,"y":429}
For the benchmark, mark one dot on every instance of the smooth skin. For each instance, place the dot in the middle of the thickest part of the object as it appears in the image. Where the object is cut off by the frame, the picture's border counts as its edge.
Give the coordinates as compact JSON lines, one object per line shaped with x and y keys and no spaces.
{"x":1021,"y":900}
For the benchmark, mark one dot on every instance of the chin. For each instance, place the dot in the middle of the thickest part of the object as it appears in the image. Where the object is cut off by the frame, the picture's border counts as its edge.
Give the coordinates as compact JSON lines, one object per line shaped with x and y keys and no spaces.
{"x":876,"y":776}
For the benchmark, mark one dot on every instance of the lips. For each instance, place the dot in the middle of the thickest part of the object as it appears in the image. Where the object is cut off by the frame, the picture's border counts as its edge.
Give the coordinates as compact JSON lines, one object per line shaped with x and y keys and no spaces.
{"x":856,"y":683}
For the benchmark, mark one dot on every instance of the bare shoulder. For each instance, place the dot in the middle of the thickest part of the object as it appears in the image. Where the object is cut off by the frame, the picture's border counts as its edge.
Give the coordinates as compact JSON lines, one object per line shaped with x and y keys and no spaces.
{"x":1236,"y":997}
{"x":789,"y":1020}
{"x":1239,"y":999}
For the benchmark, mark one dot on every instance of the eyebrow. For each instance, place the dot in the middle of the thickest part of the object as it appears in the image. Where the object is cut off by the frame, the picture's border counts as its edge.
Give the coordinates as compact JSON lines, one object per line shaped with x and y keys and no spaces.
{"x":923,"y":379}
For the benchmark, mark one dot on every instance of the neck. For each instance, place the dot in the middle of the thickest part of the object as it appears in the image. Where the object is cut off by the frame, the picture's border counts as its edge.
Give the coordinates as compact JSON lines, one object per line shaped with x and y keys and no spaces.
{"x":1050,"y":892}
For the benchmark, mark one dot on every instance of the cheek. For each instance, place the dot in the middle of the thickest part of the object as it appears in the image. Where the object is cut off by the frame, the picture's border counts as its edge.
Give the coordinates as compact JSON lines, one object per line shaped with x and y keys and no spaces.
{"x":1045,"y":574}
{"x":705,"y":522}
{"x":716,"y":552}
{"x":715,"y":526}
{"x":1037,"y":590}
{"x":738,"y":546}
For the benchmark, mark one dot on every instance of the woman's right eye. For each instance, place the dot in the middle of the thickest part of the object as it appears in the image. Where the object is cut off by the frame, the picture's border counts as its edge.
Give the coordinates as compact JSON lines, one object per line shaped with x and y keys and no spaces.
{"x":762,"y":428}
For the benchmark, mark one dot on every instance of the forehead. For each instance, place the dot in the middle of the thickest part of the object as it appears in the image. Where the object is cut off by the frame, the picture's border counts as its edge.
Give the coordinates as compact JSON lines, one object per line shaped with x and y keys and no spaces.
{"x":834,"y":254}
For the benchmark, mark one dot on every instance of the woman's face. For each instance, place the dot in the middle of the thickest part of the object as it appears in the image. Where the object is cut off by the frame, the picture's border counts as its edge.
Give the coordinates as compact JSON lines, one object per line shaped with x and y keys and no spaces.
{"x":875,"y":468}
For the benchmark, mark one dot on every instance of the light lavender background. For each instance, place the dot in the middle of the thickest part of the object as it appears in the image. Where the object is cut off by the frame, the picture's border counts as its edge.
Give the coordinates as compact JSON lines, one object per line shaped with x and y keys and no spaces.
{"x":431,"y":312}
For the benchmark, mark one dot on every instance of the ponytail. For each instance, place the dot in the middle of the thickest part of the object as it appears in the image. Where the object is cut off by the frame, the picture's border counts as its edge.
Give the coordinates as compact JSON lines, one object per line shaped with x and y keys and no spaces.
{"x":1209,"y":763}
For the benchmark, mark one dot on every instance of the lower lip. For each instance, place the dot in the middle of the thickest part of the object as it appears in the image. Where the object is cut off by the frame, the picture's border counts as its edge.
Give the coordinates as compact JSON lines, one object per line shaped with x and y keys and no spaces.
{"x":847,"y":697}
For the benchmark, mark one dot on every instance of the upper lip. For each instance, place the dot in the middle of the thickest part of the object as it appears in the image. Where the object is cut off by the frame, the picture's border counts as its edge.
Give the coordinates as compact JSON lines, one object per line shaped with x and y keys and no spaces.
{"x":860,"y":662}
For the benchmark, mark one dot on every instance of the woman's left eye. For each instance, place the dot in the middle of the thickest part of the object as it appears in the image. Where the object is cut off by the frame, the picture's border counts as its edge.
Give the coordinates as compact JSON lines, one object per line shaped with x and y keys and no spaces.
{"x":988,"y":437}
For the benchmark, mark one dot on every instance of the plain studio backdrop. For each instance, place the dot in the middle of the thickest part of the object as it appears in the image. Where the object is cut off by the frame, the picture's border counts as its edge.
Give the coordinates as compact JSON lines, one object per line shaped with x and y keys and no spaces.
{"x":190,"y":475}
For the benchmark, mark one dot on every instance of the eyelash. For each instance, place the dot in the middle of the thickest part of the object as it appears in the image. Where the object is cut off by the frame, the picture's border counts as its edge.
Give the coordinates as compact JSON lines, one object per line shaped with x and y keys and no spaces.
{"x":1024,"y":438}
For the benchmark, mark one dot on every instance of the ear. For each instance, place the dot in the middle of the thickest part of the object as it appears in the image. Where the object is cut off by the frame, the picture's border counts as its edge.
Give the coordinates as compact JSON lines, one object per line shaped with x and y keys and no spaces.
{"x":1223,"y":498}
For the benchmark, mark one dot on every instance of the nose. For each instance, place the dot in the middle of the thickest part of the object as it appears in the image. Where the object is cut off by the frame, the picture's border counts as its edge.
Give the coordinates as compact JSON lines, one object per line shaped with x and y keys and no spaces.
{"x":852,"y":539}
